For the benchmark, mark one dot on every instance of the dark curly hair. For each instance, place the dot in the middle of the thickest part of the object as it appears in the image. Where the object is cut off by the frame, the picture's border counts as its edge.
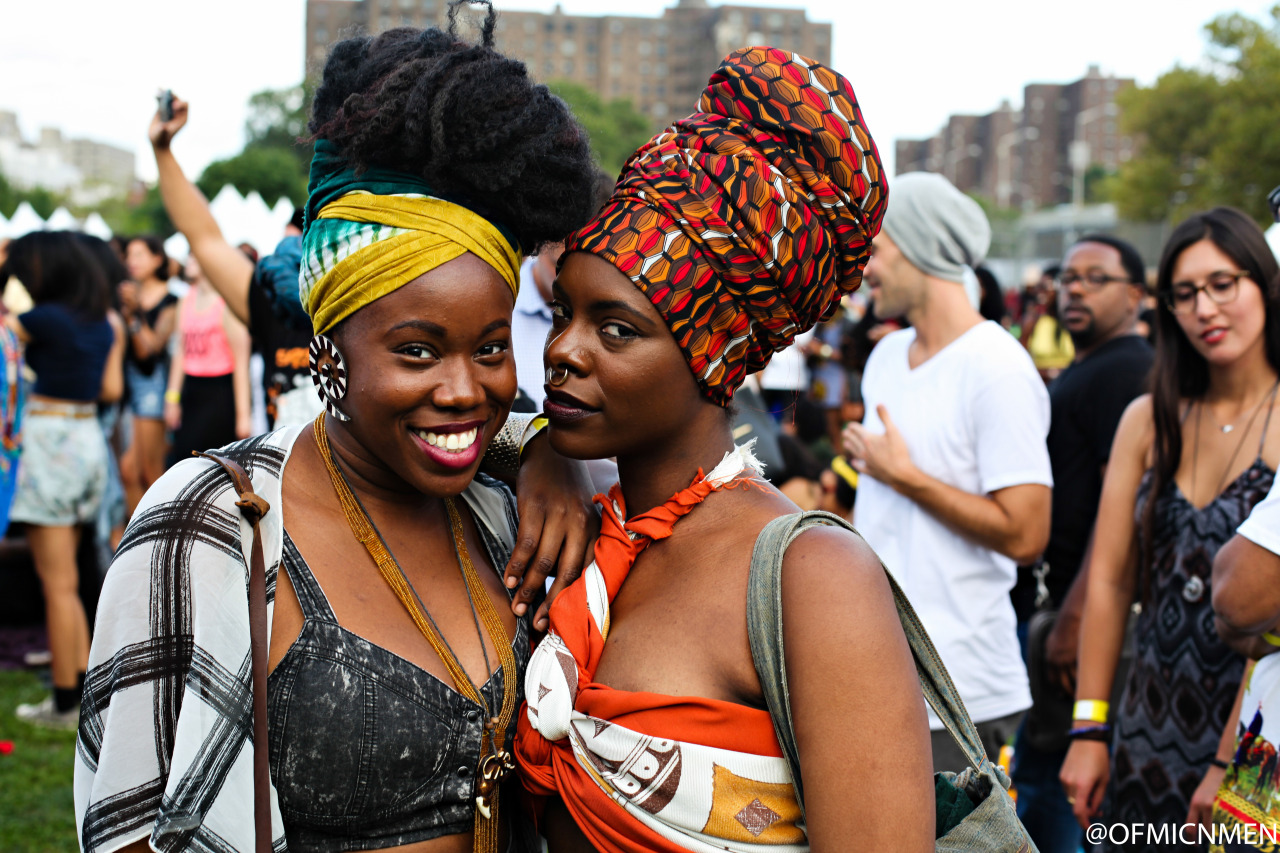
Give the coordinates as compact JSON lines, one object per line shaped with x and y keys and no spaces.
{"x":466,"y":119}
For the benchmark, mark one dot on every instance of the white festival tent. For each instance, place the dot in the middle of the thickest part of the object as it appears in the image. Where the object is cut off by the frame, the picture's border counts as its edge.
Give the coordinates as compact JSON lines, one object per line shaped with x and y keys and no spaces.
{"x":62,"y":220}
{"x":242,"y":220}
{"x":24,"y":220}
{"x":96,"y":226}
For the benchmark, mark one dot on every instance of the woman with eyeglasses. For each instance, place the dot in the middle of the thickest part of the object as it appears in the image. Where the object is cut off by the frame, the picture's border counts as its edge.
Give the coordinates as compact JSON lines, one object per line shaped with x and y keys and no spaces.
{"x":1189,"y":461}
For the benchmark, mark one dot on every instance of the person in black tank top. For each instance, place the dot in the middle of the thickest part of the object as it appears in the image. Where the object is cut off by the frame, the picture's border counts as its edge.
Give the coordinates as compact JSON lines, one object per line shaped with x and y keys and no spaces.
{"x":150,"y":312}
{"x":1188,"y":464}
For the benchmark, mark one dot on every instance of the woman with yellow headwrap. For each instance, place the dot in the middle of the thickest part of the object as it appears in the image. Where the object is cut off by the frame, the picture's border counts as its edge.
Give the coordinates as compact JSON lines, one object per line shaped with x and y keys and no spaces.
{"x":396,"y":650}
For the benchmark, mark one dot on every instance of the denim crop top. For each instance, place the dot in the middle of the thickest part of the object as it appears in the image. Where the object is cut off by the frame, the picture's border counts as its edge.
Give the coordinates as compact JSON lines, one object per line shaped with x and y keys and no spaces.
{"x":367,"y":750}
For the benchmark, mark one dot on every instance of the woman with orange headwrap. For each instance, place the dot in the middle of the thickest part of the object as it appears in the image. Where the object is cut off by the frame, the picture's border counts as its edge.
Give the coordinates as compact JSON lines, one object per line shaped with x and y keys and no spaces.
{"x":727,"y":235}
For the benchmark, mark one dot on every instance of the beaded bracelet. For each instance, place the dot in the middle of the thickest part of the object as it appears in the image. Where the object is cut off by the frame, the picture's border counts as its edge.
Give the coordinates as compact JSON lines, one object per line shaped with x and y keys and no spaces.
{"x":1099,"y":733}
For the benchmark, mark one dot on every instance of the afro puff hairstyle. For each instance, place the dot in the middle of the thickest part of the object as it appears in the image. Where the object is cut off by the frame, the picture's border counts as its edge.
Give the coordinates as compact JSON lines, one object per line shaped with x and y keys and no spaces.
{"x":465,"y":118}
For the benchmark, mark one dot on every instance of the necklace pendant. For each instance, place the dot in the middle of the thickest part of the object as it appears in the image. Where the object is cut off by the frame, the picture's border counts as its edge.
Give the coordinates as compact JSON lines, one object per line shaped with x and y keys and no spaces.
{"x":493,"y":767}
{"x":1228,"y":428}
{"x":1193,"y":590}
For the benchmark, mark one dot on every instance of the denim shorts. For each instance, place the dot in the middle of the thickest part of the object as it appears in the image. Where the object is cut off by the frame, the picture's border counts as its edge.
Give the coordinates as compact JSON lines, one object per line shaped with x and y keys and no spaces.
{"x":146,"y":393}
{"x":62,"y":473}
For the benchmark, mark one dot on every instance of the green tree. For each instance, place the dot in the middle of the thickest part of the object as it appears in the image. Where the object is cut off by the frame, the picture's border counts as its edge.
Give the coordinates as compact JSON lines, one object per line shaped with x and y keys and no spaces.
{"x":272,"y":172}
{"x":43,"y":201}
{"x":273,"y":162}
{"x":1207,"y":137}
{"x":615,"y":127}
{"x":142,"y":213}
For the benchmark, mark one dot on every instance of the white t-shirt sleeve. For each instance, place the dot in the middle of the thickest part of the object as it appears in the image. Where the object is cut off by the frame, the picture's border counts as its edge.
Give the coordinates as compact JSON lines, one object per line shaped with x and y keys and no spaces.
{"x":1262,"y":527}
{"x":1011,"y":423}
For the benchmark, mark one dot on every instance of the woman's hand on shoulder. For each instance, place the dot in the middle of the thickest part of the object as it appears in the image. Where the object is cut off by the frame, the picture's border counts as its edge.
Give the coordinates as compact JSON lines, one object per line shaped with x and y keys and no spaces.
{"x":860,"y":720}
{"x":558,"y":527}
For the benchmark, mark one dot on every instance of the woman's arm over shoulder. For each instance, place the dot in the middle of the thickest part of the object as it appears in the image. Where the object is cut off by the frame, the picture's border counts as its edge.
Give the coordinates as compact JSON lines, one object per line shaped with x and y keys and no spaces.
{"x":860,"y":720}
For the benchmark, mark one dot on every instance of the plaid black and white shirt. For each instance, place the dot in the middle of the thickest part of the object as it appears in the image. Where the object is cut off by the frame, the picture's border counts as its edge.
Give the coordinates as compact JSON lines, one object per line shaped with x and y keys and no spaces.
{"x":165,"y":749}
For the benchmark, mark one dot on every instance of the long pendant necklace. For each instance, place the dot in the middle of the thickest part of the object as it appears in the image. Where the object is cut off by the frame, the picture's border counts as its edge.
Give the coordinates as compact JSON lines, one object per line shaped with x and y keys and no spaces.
{"x":495,"y":761}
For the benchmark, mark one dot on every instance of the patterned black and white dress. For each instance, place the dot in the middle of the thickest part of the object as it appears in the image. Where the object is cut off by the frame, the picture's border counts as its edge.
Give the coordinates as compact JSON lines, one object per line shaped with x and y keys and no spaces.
{"x":165,"y":749}
{"x":1184,"y":679}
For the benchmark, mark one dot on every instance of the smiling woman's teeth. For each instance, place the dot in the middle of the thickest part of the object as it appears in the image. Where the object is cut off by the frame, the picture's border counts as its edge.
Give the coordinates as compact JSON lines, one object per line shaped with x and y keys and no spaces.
{"x":453,"y":442}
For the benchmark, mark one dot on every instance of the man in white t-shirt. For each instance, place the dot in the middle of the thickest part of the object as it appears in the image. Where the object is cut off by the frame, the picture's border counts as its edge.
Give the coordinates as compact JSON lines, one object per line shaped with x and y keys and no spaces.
{"x":958,"y":485}
{"x":1246,"y":604}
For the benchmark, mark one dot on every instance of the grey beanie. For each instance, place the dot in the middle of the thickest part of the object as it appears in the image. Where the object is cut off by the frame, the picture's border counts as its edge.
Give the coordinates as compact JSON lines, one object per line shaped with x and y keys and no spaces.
{"x":939,"y":229}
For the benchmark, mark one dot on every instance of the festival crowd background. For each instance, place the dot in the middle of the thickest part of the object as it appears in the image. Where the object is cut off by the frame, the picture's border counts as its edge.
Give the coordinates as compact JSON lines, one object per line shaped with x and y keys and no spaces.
{"x":120,"y":360}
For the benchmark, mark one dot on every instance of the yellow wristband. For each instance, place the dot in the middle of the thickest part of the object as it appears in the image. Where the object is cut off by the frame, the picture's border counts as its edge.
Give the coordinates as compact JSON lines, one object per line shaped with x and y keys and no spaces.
{"x":173,"y":396}
{"x":1271,"y":638}
{"x":1093,"y":710}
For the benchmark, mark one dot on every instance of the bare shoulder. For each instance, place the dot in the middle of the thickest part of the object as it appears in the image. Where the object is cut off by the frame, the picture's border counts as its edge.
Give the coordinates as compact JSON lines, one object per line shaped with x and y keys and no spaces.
{"x":1139,"y":415}
{"x":832,"y":569}
{"x":1135,"y":435}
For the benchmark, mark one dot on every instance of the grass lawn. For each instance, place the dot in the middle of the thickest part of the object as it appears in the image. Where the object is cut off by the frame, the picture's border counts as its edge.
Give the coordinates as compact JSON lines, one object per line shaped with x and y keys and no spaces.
{"x":35,"y":779}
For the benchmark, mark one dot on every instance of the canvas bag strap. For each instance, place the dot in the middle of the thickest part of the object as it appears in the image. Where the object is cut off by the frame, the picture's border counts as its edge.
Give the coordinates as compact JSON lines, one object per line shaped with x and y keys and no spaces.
{"x":764,"y":631}
{"x":253,"y":508}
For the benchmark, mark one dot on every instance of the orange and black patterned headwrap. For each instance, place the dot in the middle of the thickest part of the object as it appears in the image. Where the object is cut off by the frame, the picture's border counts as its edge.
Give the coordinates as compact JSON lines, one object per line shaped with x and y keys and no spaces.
{"x":746,"y":222}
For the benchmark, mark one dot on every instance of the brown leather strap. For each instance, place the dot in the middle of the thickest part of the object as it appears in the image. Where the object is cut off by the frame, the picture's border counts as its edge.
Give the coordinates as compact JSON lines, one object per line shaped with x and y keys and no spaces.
{"x":253,"y":508}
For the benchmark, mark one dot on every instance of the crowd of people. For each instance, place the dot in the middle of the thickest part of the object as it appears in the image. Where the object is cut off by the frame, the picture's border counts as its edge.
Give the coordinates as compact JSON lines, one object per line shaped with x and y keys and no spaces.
{"x":540,"y":442}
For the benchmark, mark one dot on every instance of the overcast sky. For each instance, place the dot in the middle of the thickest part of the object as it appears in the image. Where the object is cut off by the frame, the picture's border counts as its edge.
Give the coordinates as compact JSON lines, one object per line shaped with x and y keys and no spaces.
{"x":92,"y":67}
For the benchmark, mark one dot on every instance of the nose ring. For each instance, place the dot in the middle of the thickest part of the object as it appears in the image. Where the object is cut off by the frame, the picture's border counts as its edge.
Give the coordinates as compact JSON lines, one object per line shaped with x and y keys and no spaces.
{"x":556,"y":378}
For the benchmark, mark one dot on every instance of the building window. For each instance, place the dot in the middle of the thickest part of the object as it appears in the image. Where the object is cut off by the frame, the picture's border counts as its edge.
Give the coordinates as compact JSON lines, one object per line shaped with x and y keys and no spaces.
{"x":615,"y":27}
{"x":662,"y":48}
{"x":644,"y":68}
{"x":550,"y":25}
{"x":548,"y":68}
{"x":644,"y":48}
{"x":530,"y":25}
{"x":548,"y":46}
{"x":322,"y":35}
{"x":568,"y":66}
{"x":662,"y":31}
{"x":660,"y":69}
{"x":775,"y":21}
{"x":568,"y":48}
{"x":591,"y":48}
{"x":615,"y":70}
{"x":662,"y":89}
{"x":592,"y":69}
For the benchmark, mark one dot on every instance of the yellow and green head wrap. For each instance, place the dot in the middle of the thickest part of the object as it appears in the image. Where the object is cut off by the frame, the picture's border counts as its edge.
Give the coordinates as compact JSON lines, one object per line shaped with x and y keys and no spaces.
{"x":367,"y":235}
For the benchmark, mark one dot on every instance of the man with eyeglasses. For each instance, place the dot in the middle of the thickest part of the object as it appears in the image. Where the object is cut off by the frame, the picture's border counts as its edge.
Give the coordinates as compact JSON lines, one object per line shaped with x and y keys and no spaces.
{"x":1100,"y":288}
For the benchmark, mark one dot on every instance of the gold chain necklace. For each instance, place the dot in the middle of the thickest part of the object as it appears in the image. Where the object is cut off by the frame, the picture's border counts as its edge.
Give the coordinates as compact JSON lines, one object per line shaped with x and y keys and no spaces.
{"x":495,"y":761}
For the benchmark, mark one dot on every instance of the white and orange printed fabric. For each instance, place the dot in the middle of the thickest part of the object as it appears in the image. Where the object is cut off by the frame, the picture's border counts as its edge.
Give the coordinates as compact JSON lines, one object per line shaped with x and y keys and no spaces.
{"x":644,"y":771}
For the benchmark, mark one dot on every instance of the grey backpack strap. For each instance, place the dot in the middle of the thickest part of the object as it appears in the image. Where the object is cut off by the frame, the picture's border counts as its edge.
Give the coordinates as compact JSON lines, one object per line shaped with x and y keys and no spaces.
{"x":764,"y":631}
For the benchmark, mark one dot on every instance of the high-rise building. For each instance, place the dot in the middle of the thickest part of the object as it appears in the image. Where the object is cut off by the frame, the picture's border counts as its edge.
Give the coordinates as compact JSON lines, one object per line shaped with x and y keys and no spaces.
{"x":87,"y":170}
{"x":659,"y":64}
{"x":1034,"y":157}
